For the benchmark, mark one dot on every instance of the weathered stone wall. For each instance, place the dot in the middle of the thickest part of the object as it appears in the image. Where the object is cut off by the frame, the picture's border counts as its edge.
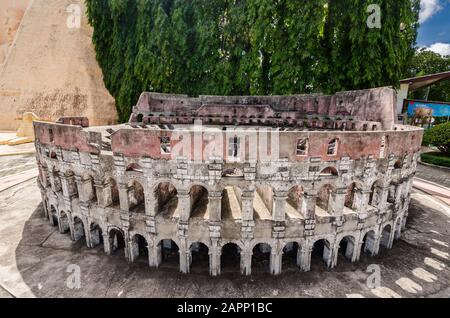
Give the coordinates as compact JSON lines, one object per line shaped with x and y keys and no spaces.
{"x":51,"y":69}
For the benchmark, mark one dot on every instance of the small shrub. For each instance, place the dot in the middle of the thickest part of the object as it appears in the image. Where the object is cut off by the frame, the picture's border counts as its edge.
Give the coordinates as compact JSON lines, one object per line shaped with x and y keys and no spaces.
{"x":438,"y":136}
{"x":436,"y":158}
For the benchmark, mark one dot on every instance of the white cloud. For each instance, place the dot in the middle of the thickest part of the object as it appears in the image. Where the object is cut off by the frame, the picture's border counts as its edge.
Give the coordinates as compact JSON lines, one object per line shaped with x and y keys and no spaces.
{"x":428,"y":8}
{"x":440,"y":48}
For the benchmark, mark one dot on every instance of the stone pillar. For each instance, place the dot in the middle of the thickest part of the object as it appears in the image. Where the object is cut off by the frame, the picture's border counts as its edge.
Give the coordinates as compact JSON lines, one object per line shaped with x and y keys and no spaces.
{"x":362,"y":202}
{"x":154,"y":254}
{"x":214,"y":258}
{"x":248,"y":224}
{"x":276,"y":259}
{"x":383,"y":193}
{"x":337,"y":202}
{"x":104,"y":195}
{"x":106,"y":243}
{"x":308,"y":207}
{"x":184,"y":256}
{"x":304,"y":257}
{"x":151,"y":203}
{"x":184,"y":205}
{"x":246,"y":262}
{"x":123,"y":197}
{"x":215,"y":206}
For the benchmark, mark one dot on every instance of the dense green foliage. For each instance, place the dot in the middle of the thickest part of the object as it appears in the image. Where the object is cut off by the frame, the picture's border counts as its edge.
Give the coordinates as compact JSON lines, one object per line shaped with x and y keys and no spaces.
{"x":253,"y":47}
{"x":427,"y":62}
{"x":438,"y":136}
{"x":436,"y":158}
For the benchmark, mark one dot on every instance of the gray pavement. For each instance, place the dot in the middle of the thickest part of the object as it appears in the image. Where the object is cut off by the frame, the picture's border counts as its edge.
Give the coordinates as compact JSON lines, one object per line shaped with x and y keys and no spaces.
{"x":436,"y":175}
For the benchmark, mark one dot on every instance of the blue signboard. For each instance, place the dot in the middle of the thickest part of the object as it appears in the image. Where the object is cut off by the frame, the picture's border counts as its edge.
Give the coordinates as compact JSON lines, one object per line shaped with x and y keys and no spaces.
{"x":439,"y":109}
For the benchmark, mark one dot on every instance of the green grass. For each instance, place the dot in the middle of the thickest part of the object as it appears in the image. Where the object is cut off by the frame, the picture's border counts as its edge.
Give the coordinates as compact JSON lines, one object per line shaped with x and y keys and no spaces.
{"x":436,"y":158}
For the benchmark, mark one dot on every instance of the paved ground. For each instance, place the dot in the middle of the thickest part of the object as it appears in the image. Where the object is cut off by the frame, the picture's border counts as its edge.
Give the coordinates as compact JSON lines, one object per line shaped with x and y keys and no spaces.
{"x":436,"y":175}
{"x":34,"y":259}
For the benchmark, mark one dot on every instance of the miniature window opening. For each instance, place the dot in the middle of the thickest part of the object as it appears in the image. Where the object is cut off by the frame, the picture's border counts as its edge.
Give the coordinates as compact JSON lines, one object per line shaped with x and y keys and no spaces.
{"x":233,"y":149}
{"x":302,"y":147}
{"x":51,"y":135}
{"x":332,"y":147}
{"x":165,"y":145}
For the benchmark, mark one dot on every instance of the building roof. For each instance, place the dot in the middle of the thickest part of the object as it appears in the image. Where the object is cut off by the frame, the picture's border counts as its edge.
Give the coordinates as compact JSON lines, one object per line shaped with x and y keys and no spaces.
{"x":419,"y":82}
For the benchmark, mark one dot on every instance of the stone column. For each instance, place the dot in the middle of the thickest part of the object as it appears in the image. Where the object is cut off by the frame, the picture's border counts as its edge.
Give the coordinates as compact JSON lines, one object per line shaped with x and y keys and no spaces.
{"x":382,"y":198}
{"x":215,"y":206}
{"x":308,"y":207}
{"x":103,"y":191}
{"x":337,"y":202}
{"x":214,"y":258}
{"x":123,"y":197}
{"x":106,"y":243}
{"x":362,"y":202}
{"x":184,"y":205}
{"x":248,"y":224}
{"x":246,"y":262}
{"x":276,"y":259}
{"x":304,"y":257}
{"x":184,"y":256}
{"x":154,"y":254}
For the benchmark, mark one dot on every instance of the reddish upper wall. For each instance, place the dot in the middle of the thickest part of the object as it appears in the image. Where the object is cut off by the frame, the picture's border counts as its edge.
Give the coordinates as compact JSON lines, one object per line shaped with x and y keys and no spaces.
{"x":67,"y":137}
{"x":374,"y":105}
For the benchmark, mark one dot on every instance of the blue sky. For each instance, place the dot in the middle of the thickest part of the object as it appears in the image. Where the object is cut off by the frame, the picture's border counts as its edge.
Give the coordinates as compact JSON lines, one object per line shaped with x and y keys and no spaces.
{"x":434,"y":31}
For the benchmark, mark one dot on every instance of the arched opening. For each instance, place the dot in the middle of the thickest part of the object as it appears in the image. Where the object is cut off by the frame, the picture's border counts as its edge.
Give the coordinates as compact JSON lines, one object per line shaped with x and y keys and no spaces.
{"x":199,"y":257}
{"x":350,"y":196}
{"x":199,"y":202}
{"x":329,"y":172}
{"x":170,"y":256}
{"x":56,"y":179}
{"x":78,"y":228}
{"x":294,"y":202}
{"x":134,"y":167}
{"x":373,"y":197}
{"x":263,"y":203}
{"x":398,"y":164}
{"x":96,"y":234}
{"x":231,"y":203}
{"x":290,"y":255}
{"x":323,"y":198}
{"x":53,"y":216}
{"x":346,"y":249}
{"x":166,"y":198}
{"x":117,"y":242}
{"x":368,"y":245}
{"x":386,"y":236}
{"x":140,"y":249}
{"x":261,"y":258}
{"x":136,"y":197}
{"x":140,"y":118}
{"x":113,"y":192}
{"x":321,"y":253}
{"x":230,"y":258}
{"x":64,"y":222}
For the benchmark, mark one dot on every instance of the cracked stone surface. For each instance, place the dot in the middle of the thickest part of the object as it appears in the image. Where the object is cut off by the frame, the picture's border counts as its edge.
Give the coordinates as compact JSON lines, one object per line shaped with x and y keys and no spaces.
{"x":34,"y":258}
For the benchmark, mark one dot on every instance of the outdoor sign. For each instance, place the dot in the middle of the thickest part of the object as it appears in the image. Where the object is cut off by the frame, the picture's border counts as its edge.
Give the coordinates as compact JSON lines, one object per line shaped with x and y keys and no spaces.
{"x":440,"y":109}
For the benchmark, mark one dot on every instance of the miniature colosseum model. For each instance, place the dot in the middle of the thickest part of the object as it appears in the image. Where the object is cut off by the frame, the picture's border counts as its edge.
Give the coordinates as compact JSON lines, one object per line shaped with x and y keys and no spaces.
{"x":294,"y":176}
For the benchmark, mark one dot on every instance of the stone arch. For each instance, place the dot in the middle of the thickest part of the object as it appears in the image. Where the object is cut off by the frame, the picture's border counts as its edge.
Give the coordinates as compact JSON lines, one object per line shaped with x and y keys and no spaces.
{"x":53,"y":216}
{"x":329,"y":172}
{"x":347,"y":247}
{"x":134,"y":167}
{"x":136,"y":196}
{"x":231,"y":203}
{"x":398,"y":164}
{"x":96,"y":233}
{"x":199,"y":201}
{"x":386,"y":236}
{"x":373,"y":197}
{"x":230,"y":256}
{"x":291,"y":254}
{"x":139,"y":248}
{"x":321,"y":252}
{"x":199,"y":256}
{"x":78,"y":228}
{"x":63,"y":222}
{"x":324,"y":197}
{"x":170,"y":253}
{"x":165,"y":194}
{"x":116,"y":240}
{"x":368,"y":242}
{"x":261,"y":255}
